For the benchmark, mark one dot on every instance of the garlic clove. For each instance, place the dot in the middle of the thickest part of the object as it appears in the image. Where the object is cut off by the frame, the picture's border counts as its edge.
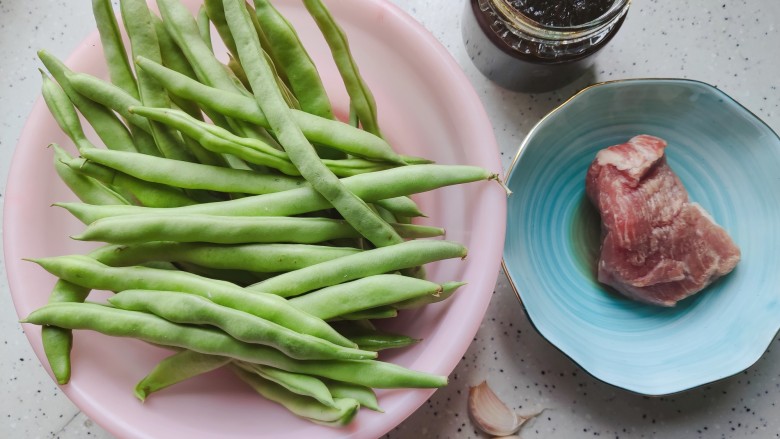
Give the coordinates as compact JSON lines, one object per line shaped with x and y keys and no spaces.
{"x":490,"y":413}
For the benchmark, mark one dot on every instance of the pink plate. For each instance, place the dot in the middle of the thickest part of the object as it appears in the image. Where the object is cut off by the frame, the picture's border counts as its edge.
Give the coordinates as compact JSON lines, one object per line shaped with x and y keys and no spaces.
{"x":427,"y":107}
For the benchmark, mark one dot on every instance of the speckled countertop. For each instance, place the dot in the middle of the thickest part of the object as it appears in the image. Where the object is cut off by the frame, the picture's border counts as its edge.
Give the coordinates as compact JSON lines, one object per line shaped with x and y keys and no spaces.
{"x":730,"y":44}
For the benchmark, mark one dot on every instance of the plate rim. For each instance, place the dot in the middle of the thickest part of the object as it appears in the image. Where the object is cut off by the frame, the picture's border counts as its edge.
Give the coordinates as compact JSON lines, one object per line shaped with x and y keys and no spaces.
{"x":467,"y":93}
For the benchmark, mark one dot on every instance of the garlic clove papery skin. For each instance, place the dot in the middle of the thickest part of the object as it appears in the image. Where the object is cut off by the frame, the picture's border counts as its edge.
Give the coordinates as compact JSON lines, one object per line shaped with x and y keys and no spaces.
{"x":490,"y":414}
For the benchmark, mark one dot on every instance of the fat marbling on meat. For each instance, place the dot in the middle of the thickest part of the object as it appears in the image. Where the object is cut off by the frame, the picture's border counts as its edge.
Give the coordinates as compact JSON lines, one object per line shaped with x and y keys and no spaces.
{"x":657,"y":247}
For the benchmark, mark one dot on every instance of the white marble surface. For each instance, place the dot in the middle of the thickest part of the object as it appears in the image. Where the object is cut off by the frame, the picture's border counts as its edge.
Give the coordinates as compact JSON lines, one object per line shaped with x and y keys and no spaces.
{"x":731,"y":44}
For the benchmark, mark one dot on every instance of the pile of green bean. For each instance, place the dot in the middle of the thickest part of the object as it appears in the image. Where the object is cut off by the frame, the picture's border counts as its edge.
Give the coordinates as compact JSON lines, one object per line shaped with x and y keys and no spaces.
{"x":245,"y":226}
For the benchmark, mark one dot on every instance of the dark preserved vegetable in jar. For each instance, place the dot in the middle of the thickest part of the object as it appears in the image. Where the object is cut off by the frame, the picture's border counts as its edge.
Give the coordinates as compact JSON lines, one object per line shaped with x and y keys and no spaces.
{"x":538,"y":45}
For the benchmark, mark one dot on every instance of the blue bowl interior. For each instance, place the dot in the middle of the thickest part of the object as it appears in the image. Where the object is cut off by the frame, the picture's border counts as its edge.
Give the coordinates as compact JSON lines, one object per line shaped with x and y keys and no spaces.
{"x":729,"y":161}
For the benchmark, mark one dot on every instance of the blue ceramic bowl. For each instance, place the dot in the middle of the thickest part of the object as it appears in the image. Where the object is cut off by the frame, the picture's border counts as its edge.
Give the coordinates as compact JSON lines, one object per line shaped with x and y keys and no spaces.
{"x":729,"y":161}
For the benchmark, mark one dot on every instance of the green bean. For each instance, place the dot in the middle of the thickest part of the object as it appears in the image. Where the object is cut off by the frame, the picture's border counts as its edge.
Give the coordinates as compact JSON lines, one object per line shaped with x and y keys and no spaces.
{"x":294,"y":61}
{"x":382,"y":312}
{"x":297,"y":383}
{"x":400,"y":206}
{"x":340,"y":414}
{"x":219,"y":140}
{"x":263,"y":258}
{"x":448,"y":289}
{"x":186,"y":308}
{"x":192,"y":175}
{"x":202,"y":19}
{"x":143,"y":41}
{"x":360,"y":96}
{"x":216,"y":14}
{"x":86,"y":188}
{"x":110,"y":130}
{"x":129,"y":229}
{"x":64,"y":113}
{"x":143,"y":192}
{"x":113,"y":47}
{"x":172,"y":57}
{"x":177,"y":368}
{"x":370,"y":187}
{"x":182,"y":27}
{"x":367,"y":263}
{"x":58,"y":342}
{"x":368,"y":337}
{"x":384,"y":213}
{"x":362,"y":394}
{"x":252,"y":150}
{"x":116,"y":99}
{"x":91,"y":274}
{"x":333,"y":133}
{"x":238,"y":70}
{"x":365,"y":293}
{"x":146,"y":327}
{"x":266,"y":45}
{"x":111,"y":96}
{"x":196,"y":176}
{"x":217,"y":229}
{"x":380,"y":341}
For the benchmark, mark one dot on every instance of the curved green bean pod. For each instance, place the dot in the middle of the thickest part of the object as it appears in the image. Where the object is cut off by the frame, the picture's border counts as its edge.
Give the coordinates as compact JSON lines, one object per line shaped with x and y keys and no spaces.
{"x":143,"y":41}
{"x":86,"y":188}
{"x":262,"y":258}
{"x":367,"y":263}
{"x":341,"y":413}
{"x":122,"y":323}
{"x":294,"y":61}
{"x":372,"y":339}
{"x":111,"y":96}
{"x":360,"y":95}
{"x":179,"y":307}
{"x":202,"y":19}
{"x":362,"y":394}
{"x":448,"y":289}
{"x":177,"y":368}
{"x":333,"y":133}
{"x":111,"y":131}
{"x":401,"y":206}
{"x":129,"y":229}
{"x":58,"y":342}
{"x":91,"y":274}
{"x":192,"y":175}
{"x":256,"y":151}
{"x":382,"y":312}
{"x":64,"y":112}
{"x":219,"y":140}
{"x":172,"y":57}
{"x":305,"y":385}
{"x":196,"y":176}
{"x":183,"y":28}
{"x":395,"y":182}
{"x":143,"y":192}
{"x":113,"y":47}
{"x":216,"y":14}
{"x":365,"y":293}
{"x":211,"y":228}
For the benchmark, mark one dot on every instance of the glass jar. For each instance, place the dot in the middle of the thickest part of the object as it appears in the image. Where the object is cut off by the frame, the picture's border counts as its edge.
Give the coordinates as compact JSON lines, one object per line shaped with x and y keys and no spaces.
{"x":521,"y":54}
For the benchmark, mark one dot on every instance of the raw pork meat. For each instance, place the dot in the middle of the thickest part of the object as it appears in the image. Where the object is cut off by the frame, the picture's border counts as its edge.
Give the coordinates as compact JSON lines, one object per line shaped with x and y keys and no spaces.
{"x":657,"y":247}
